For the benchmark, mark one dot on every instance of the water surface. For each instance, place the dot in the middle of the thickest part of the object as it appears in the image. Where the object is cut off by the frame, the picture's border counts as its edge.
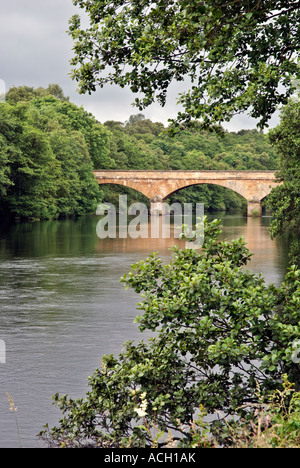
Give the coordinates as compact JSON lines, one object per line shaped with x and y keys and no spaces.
{"x":62,"y":307}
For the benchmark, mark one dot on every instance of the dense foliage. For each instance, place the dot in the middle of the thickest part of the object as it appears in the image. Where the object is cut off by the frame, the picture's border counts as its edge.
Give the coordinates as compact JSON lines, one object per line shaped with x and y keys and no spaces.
{"x":276,"y":424}
{"x":49,"y":147}
{"x":220,"y":333}
{"x":233,"y":56}
{"x":285,"y":199}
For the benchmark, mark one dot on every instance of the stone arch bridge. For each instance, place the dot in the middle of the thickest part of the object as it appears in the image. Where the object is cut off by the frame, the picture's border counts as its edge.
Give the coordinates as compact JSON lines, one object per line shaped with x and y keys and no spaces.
{"x":254,"y":186}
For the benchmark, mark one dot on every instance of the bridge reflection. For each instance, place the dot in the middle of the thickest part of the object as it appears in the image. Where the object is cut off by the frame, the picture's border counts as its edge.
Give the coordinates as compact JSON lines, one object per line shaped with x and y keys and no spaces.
{"x":266,"y":252}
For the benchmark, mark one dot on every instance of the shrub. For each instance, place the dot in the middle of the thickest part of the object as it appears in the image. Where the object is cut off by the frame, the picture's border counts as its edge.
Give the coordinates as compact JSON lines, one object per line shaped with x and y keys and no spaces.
{"x":219,"y":332}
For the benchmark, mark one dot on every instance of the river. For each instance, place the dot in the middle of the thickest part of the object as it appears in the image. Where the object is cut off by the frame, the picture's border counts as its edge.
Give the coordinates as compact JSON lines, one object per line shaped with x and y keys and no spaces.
{"x":63,"y":307}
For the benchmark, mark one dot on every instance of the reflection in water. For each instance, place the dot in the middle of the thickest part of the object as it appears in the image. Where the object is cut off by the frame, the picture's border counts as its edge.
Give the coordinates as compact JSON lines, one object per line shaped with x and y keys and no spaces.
{"x":269,"y":257}
{"x":63,"y":307}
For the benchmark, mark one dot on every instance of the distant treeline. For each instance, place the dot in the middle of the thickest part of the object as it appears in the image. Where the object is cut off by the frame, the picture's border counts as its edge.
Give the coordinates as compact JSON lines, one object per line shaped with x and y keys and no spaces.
{"x":49,"y":147}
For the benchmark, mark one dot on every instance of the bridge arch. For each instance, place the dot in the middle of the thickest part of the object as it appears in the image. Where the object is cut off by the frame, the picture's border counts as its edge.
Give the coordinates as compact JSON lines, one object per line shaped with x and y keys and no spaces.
{"x":215,"y":196}
{"x":217,"y":184}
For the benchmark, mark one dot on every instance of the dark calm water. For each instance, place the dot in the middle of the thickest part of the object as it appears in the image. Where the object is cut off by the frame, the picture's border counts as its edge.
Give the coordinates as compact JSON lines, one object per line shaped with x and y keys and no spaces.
{"x":62,"y":307}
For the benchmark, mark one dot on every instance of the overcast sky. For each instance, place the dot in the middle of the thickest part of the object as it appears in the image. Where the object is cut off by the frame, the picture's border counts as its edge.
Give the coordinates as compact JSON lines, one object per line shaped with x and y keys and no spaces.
{"x":35,"y":50}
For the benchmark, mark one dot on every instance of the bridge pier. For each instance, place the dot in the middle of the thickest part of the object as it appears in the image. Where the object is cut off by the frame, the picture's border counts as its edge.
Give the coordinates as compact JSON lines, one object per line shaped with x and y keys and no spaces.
{"x":156,"y":205}
{"x":254,"y":208}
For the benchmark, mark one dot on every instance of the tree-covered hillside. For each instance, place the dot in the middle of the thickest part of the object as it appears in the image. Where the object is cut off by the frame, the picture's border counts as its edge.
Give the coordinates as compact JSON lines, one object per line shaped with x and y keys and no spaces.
{"x":49,"y":147}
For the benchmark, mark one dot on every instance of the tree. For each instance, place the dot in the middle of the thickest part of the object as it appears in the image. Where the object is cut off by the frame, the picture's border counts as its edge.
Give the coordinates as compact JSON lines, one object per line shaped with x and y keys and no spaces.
{"x":30,"y":167}
{"x":8,"y":149}
{"x":77,"y":191}
{"x":220,"y":331}
{"x":135,"y":118}
{"x":27,"y":93}
{"x":284,"y":200}
{"x":237,"y":56}
{"x":5,"y":181}
{"x":48,"y":150}
{"x":74,"y":118}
